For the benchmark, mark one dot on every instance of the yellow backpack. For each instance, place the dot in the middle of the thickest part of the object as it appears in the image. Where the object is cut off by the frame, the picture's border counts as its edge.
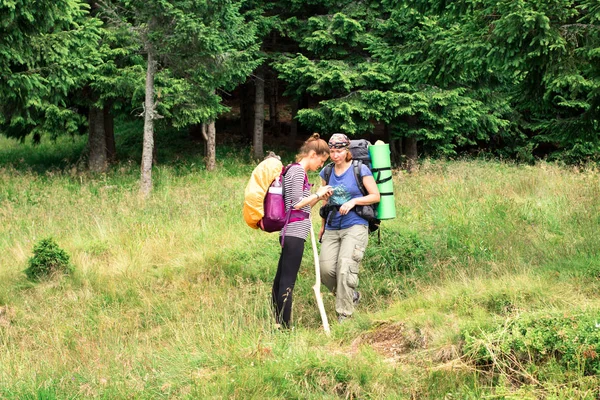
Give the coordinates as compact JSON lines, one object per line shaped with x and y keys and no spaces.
{"x":256,"y":189}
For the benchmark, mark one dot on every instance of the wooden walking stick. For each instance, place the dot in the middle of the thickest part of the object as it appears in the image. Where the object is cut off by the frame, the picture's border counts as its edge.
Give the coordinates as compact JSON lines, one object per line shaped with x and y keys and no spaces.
{"x":317,"y":287}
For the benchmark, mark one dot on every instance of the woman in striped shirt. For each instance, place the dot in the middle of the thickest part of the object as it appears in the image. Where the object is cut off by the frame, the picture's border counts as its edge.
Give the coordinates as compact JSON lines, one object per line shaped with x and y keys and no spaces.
{"x":296,"y":192}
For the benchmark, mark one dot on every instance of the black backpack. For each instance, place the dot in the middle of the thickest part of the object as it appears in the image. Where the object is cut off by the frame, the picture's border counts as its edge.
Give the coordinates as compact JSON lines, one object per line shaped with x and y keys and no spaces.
{"x":367,"y":212}
{"x":360,"y":151}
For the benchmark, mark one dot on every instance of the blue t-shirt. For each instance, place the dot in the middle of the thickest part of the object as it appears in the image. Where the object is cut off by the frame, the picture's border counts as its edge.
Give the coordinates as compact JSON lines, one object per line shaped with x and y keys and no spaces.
{"x":344,"y":189}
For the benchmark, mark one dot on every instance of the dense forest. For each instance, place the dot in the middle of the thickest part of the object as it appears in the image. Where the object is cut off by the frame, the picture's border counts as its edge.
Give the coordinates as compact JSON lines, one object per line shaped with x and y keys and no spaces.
{"x":511,"y":79}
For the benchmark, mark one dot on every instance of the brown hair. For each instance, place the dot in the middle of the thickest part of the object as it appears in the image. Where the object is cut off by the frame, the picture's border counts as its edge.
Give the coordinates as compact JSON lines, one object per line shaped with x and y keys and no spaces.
{"x":315,"y":143}
{"x":348,"y":155}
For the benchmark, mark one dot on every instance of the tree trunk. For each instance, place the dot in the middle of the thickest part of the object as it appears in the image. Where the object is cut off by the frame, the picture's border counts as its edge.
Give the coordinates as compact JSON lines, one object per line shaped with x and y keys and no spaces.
{"x":109,"y":131}
{"x":294,"y":122}
{"x":246,"y":113}
{"x":211,"y":147}
{"x":148,"y":146}
{"x":259,"y":114}
{"x":410,"y":149}
{"x":399,"y":147}
{"x":205,"y":137}
{"x":395,"y":146}
{"x":274,"y":106}
{"x":97,"y":141}
{"x":91,"y":129}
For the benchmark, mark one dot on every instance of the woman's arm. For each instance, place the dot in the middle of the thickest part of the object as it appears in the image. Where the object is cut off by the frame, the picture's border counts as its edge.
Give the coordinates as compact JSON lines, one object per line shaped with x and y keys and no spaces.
{"x":323,"y":193}
{"x":373,"y":196}
{"x":311,"y":200}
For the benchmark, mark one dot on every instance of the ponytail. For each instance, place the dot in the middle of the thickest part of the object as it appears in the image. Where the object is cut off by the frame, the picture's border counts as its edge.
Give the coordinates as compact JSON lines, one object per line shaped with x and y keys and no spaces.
{"x":315,"y":143}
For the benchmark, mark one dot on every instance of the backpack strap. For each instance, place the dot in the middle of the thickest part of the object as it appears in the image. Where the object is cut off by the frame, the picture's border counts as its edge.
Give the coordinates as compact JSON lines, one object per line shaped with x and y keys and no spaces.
{"x":327,"y":172}
{"x":378,"y":180}
{"x":356,"y":166}
{"x":284,"y":171}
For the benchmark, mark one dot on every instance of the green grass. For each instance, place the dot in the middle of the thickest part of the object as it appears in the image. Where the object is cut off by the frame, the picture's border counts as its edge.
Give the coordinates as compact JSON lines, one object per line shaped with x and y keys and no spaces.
{"x":170,"y":297}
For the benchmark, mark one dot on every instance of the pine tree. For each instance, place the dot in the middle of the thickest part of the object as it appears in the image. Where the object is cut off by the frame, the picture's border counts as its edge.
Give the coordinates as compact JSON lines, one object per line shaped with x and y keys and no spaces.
{"x":405,"y":65}
{"x":111,"y":89}
{"x":551,"y":50}
{"x":47,"y":48}
{"x":193,"y":49}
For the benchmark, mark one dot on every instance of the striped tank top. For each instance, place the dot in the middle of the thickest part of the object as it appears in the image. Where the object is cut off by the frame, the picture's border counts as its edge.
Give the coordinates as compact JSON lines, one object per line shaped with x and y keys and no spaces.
{"x":293,"y":192}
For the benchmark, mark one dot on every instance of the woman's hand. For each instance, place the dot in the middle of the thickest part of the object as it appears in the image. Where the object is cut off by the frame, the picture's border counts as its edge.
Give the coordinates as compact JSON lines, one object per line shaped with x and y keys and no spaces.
{"x":324,"y":192}
{"x":347,"y":206}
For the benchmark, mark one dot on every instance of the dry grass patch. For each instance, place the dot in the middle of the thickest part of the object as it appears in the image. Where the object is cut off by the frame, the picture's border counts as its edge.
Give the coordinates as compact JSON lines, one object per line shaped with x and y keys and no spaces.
{"x":394,"y":341}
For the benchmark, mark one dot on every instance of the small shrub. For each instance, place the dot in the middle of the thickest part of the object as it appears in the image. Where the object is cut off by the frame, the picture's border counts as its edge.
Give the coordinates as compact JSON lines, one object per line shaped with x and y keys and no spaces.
{"x":499,"y":303}
{"x":528,"y":345}
{"x":48,"y":259}
{"x":399,"y":251}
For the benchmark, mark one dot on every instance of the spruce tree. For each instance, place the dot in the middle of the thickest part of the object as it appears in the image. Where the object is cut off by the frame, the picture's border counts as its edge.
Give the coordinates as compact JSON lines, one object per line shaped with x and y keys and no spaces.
{"x":402,"y":64}
{"x":47,"y":49}
{"x":193,"y":49}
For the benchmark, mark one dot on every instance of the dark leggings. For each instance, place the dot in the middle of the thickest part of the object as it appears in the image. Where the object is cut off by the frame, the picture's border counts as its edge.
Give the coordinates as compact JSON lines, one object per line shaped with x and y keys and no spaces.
{"x":285,"y":279}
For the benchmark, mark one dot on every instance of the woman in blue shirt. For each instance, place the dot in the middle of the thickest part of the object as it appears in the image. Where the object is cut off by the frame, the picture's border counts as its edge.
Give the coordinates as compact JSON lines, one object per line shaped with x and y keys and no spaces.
{"x":344,"y":234}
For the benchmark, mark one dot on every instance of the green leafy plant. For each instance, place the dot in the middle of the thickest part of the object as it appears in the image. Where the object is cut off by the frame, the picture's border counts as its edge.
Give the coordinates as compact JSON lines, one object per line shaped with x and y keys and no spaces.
{"x":528,"y":347}
{"x":48,"y":260}
{"x":401,"y":251}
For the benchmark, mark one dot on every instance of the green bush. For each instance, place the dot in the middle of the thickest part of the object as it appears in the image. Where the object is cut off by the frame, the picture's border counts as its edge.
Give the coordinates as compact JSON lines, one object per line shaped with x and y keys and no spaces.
{"x":398,"y":252}
{"x":48,"y":260}
{"x":535,"y":343}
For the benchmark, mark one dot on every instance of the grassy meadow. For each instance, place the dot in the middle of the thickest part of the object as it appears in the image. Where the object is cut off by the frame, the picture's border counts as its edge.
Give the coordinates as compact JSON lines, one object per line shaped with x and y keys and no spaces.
{"x":486,"y":285}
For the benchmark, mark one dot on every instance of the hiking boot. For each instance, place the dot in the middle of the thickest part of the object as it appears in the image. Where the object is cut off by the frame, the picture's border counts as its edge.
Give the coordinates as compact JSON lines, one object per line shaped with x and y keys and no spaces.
{"x":356,"y":297}
{"x":342,"y":318}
